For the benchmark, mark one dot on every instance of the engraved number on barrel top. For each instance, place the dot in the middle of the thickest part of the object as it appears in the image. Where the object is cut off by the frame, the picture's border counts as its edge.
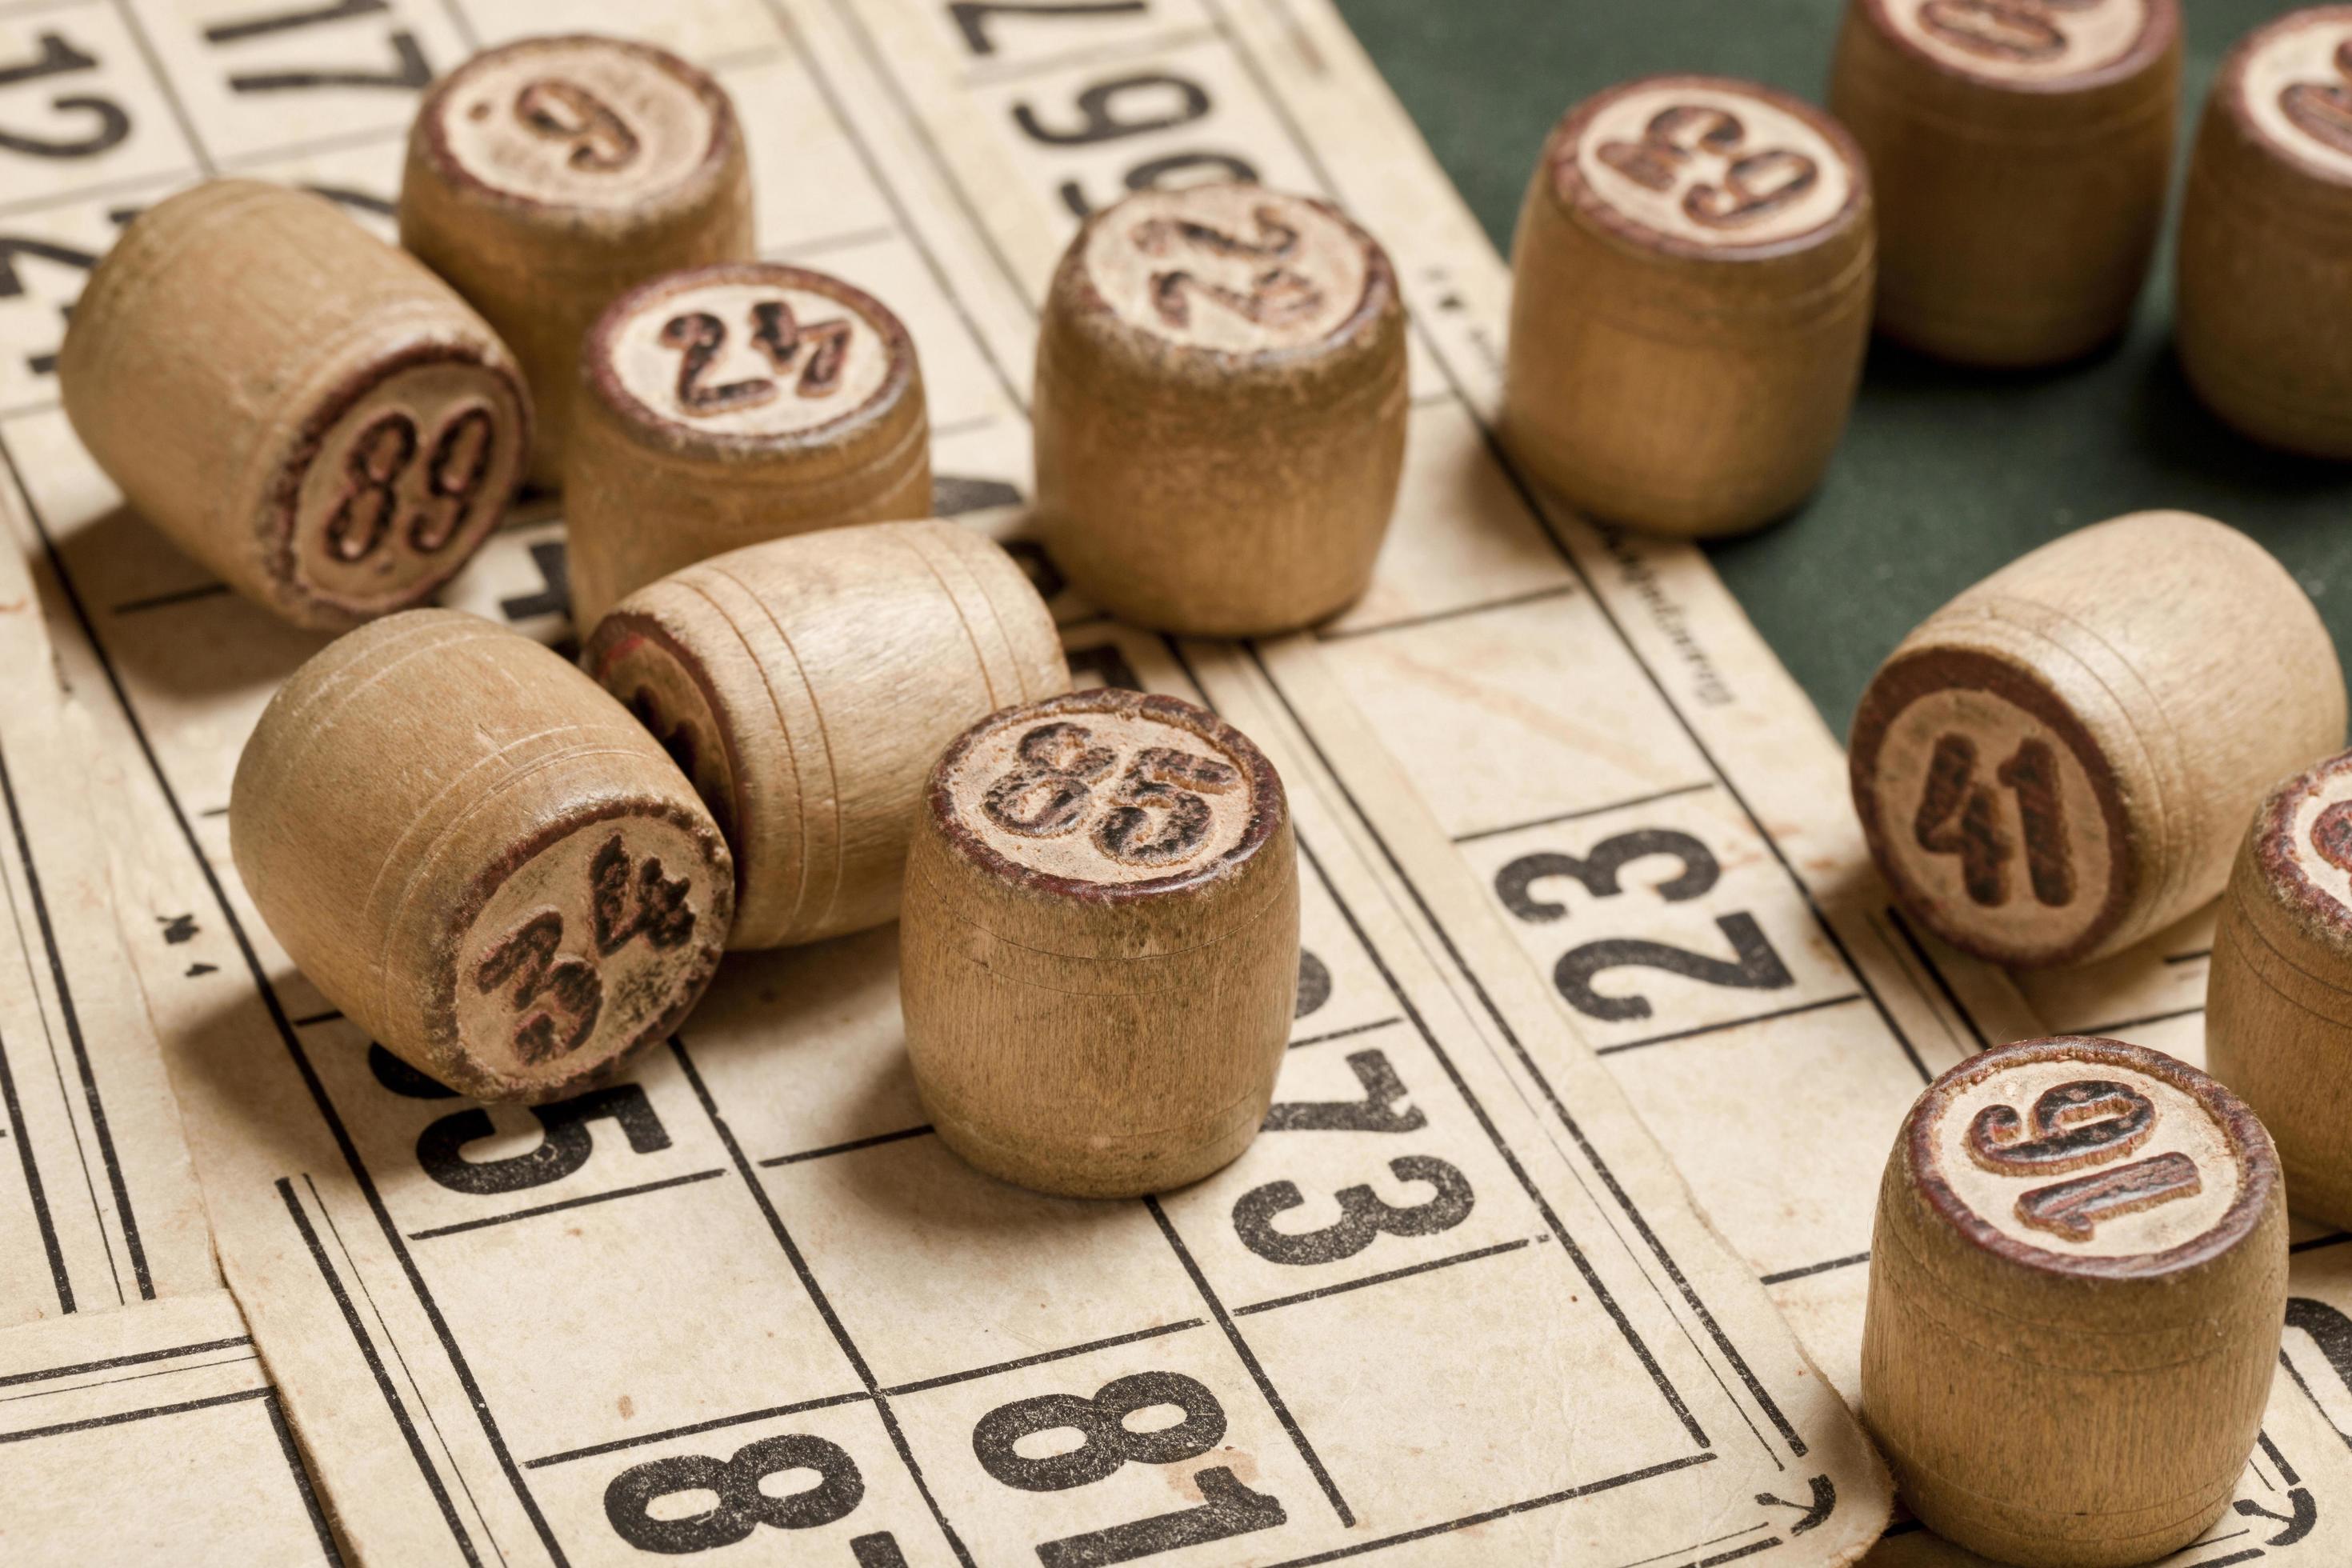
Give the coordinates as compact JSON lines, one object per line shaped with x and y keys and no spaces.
{"x":379,"y":458}
{"x":2324,"y":109}
{"x":1754,"y":964}
{"x":817,"y":350}
{"x":2004,"y":29}
{"x":1754,"y":181}
{"x":558,"y":998}
{"x":2331,"y":834}
{"x":598,"y":139}
{"x":2075,"y":1127}
{"x":1107,"y":1445}
{"x":1276,"y":295}
{"x":1959,"y":815}
{"x":1153,"y":814}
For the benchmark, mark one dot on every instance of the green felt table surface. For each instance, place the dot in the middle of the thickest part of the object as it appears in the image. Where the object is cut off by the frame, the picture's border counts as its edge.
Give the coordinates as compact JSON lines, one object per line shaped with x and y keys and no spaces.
{"x":1945,"y":474}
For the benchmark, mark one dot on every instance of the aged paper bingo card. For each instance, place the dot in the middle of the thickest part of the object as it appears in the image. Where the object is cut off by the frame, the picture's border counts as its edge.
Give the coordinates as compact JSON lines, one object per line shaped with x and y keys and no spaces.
{"x":101,"y":1209}
{"x":743,"y":1303}
{"x":131,"y":1434}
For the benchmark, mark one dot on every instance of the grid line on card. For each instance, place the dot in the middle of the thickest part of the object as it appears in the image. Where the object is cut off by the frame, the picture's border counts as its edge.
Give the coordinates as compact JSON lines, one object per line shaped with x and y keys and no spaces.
{"x":94,"y":1102}
{"x":1249,"y":1360}
{"x":1468,"y":1522}
{"x":1807,"y":1270}
{"x":64,"y":255}
{"x":817,"y":1297}
{"x":2286,"y":1472}
{"x":43,"y":1220}
{"x":1345,"y":1286}
{"x":1348,"y":1033}
{"x":1701,"y":1546}
{"x":1943,"y":985}
{"x":401,"y":1356}
{"x":1406,"y":623}
{"x":268,"y":1398}
{"x":803,"y":249}
{"x":139,"y":1359}
{"x":376,"y":1370}
{"x":273,"y":1006}
{"x":1158,"y":1330}
{"x":2114,"y":1025}
{"x":176,"y":596}
{"x":122,"y":1418}
{"x":717,"y":1422}
{"x":1740,"y":1023}
{"x":486,"y":1221}
{"x":956,"y":191}
{"x":889,"y":194}
{"x":276,"y":1410}
{"x":126,"y":1377}
{"x":464,"y":24}
{"x":346,"y":142}
{"x":851,"y":1147}
{"x":1582,"y":812}
{"x":164,"y":83}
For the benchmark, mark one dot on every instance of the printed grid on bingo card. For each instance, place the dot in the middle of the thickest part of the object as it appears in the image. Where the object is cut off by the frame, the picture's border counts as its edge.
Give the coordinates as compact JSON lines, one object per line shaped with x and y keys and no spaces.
{"x":191,"y":667}
{"x":1646,"y":842}
{"x":70,"y":1236}
{"x":99,"y":1207}
{"x":353,"y":157}
{"x":91,"y":1403}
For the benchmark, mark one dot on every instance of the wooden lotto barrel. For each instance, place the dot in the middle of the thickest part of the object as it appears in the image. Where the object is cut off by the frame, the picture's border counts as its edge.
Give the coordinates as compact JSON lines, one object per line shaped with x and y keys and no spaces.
{"x":1099,"y":944}
{"x":546,"y":175}
{"x":2264,"y":229}
{"x":1220,"y":410}
{"x":1691,"y":285}
{"x":479,"y":856}
{"x":2060,"y":760}
{"x":731,"y":404}
{"x":302,"y":408}
{"x":2077,"y":1282}
{"x":2021,"y":150}
{"x":2278,"y":1002}
{"x":808,"y":685}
